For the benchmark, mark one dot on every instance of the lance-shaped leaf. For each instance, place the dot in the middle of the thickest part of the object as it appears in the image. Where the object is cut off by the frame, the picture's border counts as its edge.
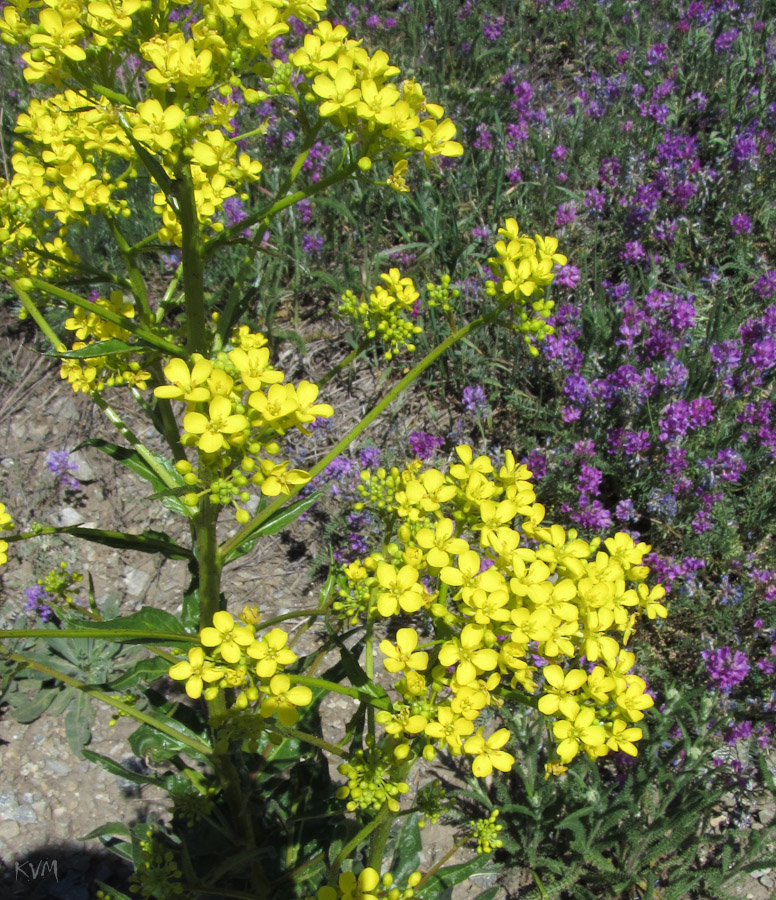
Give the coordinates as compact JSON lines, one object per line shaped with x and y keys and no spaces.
{"x":112,"y":347}
{"x":275,"y":523}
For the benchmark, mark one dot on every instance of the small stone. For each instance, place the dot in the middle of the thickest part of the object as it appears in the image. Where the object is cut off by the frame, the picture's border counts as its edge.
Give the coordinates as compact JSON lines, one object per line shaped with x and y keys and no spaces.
{"x":56,"y":767}
{"x":9,"y":829}
{"x":137,"y":581}
{"x":25,"y":815}
{"x":8,"y":805}
{"x":59,"y":811}
{"x":69,"y":516}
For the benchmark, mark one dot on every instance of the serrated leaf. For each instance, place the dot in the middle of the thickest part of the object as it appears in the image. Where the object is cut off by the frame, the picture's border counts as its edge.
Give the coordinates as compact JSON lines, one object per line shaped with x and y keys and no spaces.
{"x":143,"y":672}
{"x":109,"y":829}
{"x":275,"y":523}
{"x":111,"y":347}
{"x":118,"y":770}
{"x":133,"y":461}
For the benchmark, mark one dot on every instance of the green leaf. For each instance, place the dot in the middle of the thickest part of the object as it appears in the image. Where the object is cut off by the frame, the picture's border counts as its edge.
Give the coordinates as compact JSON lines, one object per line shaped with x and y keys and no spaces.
{"x":157,"y":746}
{"x":26,"y":711}
{"x":275,"y":523}
{"x":146,"y":542}
{"x":447,"y":878}
{"x":133,"y":461}
{"x":148,"y":619}
{"x":117,"y":769}
{"x":109,"y":829}
{"x":143,"y":672}
{"x":111,"y":347}
{"x":78,"y":720}
{"x":406,"y":854}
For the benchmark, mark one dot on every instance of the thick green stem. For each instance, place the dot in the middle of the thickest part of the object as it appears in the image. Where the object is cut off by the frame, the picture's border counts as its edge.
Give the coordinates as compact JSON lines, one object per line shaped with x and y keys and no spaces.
{"x":358,"y":429}
{"x":37,"y":316}
{"x":126,"y":709}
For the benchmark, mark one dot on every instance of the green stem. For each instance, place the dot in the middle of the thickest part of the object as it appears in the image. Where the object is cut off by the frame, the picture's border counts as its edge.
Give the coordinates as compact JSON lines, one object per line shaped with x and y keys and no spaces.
{"x":107,"y":634}
{"x":134,"y":441}
{"x":378,"y":842}
{"x":193,"y":269}
{"x":287,"y":731}
{"x":122,"y":321}
{"x":37,"y":316}
{"x":431,"y":872}
{"x":334,"y":687}
{"x":351,"y":845}
{"x":197,"y":746}
{"x":136,"y":280}
{"x":358,"y":429}
{"x":100,"y":535}
{"x":264,"y":214}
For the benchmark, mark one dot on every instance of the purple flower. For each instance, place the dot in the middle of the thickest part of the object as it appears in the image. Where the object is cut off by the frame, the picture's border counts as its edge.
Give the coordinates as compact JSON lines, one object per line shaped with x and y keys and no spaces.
{"x":474,"y":400}
{"x":312,"y":243}
{"x":484,"y":139}
{"x":423,"y":445}
{"x":625,"y":511}
{"x":568,"y":277}
{"x":369,"y":457}
{"x":567,"y":213}
{"x":725,"y":668}
{"x":36,"y":602}
{"x":741,"y":224}
{"x":725,"y":41}
{"x":634,"y":253}
{"x":62,"y":468}
{"x":536,"y":463}
{"x":492,"y":26}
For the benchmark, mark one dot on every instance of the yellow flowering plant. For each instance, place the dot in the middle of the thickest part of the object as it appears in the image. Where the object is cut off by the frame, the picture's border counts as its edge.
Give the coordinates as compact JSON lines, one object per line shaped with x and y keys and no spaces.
{"x":479,"y":583}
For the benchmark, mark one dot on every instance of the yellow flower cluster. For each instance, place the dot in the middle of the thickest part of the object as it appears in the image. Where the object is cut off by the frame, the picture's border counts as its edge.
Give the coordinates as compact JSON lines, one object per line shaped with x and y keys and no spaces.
{"x":522,"y":268}
{"x":6,"y":524}
{"x":231,"y":656}
{"x":95,"y":373}
{"x":384,"y":314}
{"x":499,"y":596}
{"x":91,"y":138}
{"x":236,"y":407}
{"x":356,"y":90}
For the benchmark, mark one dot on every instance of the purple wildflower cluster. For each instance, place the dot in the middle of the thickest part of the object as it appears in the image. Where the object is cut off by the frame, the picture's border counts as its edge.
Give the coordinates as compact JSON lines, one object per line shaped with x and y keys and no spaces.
{"x":63,"y":469}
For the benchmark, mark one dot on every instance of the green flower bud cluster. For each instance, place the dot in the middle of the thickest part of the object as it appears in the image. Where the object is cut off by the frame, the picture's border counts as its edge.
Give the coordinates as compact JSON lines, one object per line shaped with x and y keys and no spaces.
{"x":60,"y":584}
{"x":378,"y":489}
{"x":431,"y":801}
{"x":370,"y":784}
{"x":384,"y":314}
{"x":440,"y":295}
{"x":158,"y":874}
{"x":486,"y":831}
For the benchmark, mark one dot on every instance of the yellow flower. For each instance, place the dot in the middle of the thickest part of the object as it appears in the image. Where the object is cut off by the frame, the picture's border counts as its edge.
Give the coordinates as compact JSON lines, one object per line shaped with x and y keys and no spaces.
{"x":402,"y":655}
{"x":400,"y":590}
{"x":213,"y":428}
{"x":186,"y":385}
{"x":227,"y":635}
{"x":561,"y":687}
{"x":254,"y":367}
{"x":285,"y":699}
{"x":488,"y":754}
{"x":440,"y":543}
{"x":449,"y":728}
{"x":271,"y":652}
{"x":580,"y":731}
{"x":195,"y":672}
{"x":157,"y":124}
{"x":6,"y":523}
{"x":470,"y":654}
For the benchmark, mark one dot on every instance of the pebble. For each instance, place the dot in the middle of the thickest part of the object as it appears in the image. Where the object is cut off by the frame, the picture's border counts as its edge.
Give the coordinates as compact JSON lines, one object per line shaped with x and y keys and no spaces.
{"x":69,"y":516}
{"x":9,"y":829}
{"x":56,"y":767}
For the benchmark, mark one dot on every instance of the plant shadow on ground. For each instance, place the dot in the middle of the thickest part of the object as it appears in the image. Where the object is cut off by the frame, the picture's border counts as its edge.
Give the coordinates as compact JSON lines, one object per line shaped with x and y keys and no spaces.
{"x":62,"y":871}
